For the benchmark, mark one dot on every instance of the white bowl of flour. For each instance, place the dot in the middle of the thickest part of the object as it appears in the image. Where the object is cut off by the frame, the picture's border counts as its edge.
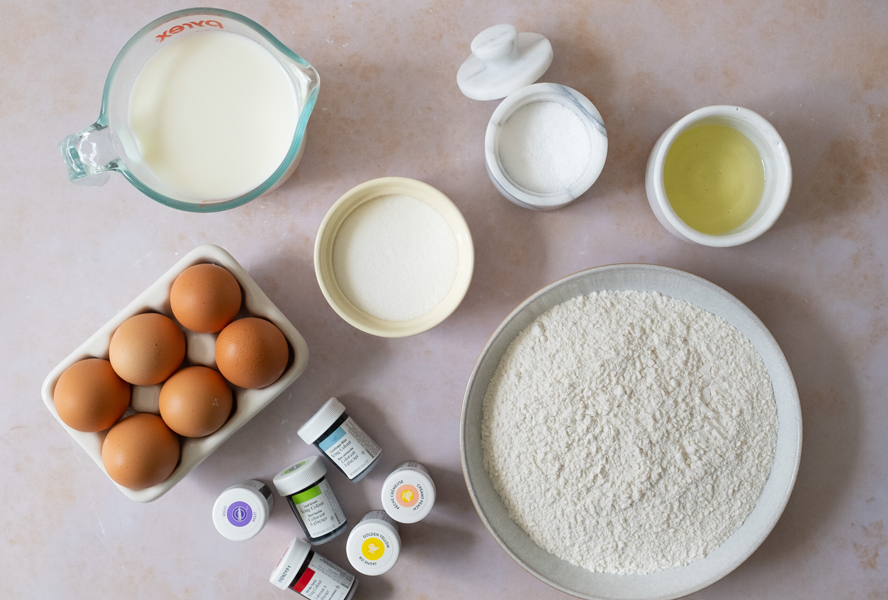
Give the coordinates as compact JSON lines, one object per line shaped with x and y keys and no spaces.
{"x":630,"y":432}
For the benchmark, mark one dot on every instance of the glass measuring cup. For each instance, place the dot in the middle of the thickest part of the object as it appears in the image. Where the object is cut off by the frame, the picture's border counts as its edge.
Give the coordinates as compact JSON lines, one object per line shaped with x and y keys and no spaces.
{"x":109,"y":144}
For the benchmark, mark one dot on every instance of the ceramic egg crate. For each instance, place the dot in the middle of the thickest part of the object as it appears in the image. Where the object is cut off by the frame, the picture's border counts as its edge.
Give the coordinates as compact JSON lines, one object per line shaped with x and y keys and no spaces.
{"x":199,"y":351}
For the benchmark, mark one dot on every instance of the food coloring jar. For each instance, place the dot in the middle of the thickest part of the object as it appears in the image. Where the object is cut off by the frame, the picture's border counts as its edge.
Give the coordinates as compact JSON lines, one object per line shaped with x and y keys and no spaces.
{"x":241,"y":511}
{"x":408,"y":494}
{"x":341,"y":440}
{"x":311,"y":499}
{"x":312,"y":576}
{"x":374,"y":545}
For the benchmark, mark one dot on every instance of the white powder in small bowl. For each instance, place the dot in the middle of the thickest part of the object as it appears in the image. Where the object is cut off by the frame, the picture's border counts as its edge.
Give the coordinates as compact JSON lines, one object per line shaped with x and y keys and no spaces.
{"x":544,"y":147}
{"x":395,"y":257}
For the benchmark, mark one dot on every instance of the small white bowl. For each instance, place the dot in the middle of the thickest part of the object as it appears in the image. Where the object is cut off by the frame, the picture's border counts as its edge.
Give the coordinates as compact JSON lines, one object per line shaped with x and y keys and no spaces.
{"x":336,"y":216}
{"x":775,"y":158}
{"x":670,"y":583}
{"x":247,"y":403}
{"x":573,"y":101}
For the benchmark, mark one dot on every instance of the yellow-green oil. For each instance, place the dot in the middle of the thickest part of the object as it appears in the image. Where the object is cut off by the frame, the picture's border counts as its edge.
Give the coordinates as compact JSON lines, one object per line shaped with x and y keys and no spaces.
{"x":714,"y":178}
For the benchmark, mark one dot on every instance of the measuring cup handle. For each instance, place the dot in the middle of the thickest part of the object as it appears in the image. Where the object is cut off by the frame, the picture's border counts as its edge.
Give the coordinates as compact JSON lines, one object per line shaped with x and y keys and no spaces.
{"x":90,"y":155}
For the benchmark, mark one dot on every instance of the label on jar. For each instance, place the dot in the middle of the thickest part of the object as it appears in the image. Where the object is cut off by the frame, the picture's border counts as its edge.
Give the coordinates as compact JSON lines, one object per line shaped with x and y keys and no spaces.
{"x":322,"y":580}
{"x":295,"y":467}
{"x":350,"y":448}
{"x":407,"y":495}
{"x":318,"y":509}
{"x":240,"y":514}
{"x":375,"y":549}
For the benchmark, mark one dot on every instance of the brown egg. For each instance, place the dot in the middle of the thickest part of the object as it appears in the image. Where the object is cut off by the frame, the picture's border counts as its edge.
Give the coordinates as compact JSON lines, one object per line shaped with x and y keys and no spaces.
{"x":147,"y":348}
{"x":251,"y":353}
{"x":205,"y":298}
{"x":195,"y":402}
{"x":140,"y":451}
{"x":89,"y":396}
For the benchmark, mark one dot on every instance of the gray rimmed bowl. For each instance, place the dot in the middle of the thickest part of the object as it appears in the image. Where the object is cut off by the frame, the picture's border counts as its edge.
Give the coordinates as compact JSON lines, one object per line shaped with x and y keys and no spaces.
{"x":662,"y":585}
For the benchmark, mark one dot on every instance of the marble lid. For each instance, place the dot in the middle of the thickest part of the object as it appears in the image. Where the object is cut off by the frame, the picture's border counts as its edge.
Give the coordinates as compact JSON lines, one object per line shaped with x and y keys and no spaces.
{"x":503,"y":61}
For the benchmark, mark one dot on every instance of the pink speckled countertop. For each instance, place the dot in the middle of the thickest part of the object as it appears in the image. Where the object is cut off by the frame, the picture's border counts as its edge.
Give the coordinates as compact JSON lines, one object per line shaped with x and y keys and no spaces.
{"x":389,"y":105}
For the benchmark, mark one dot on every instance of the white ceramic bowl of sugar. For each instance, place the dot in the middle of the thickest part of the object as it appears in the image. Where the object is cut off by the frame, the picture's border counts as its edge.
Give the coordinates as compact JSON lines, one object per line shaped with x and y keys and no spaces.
{"x":545,"y":146}
{"x":662,"y":585}
{"x":326,"y":242}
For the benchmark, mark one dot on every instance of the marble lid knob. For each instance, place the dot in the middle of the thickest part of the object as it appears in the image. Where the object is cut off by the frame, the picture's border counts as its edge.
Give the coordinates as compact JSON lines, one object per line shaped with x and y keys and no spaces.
{"x":503,"y":61}
{"x":494,"y":43}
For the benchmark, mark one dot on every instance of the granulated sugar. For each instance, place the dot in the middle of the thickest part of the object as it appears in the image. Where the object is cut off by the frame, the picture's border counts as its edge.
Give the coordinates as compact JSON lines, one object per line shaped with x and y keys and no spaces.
{"x":395,"y":257}
{"x":629,"y":432}
{"x":544,"y":147}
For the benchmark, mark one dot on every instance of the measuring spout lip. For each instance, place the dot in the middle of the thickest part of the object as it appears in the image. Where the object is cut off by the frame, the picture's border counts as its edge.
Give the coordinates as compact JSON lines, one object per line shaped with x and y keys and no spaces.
{"x":89,"y":155}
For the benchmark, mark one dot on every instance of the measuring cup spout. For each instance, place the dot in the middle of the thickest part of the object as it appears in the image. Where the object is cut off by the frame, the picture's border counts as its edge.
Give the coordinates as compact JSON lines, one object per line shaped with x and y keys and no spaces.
{"x":90,"y":155}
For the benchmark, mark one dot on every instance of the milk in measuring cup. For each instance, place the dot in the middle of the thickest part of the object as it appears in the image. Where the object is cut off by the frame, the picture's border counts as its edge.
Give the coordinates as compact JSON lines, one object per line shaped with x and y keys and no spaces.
{"x":213,"y":114}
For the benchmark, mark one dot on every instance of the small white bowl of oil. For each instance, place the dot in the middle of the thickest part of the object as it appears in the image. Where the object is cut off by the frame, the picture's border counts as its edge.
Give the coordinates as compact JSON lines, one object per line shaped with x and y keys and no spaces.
{"x":719,"y":177}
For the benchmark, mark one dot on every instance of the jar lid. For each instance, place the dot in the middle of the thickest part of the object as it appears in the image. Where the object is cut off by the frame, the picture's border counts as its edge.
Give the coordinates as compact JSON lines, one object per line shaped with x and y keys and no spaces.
{"x":321,"y":420}
{"x":240,"y":512}
{"x":290,"y":563}
{"x":299,"y":476}
{"x":373,"y":544}
{"x":408,"y":494}
{"x":503,"y":61}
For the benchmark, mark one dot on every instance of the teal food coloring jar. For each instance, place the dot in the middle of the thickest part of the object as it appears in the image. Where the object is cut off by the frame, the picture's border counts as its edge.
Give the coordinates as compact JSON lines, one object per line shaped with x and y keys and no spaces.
{"x":341,"y":440}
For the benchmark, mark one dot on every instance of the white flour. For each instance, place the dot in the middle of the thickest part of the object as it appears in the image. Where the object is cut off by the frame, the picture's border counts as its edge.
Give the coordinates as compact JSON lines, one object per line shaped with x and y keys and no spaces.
{"x":629,"y":432}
